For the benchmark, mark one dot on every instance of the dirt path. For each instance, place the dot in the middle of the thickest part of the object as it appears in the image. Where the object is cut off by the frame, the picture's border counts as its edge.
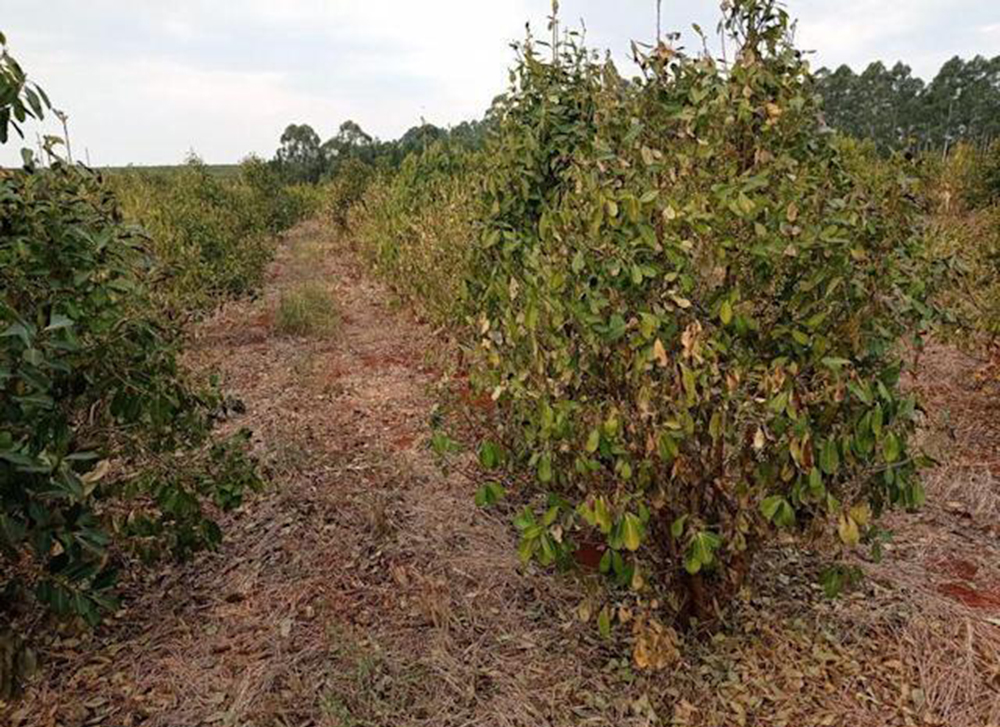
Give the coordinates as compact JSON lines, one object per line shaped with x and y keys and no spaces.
{"x":364,"y":588}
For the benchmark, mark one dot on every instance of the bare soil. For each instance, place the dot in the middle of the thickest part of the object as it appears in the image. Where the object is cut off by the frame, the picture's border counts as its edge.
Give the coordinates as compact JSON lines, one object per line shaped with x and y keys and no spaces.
{"x":364,"y":587}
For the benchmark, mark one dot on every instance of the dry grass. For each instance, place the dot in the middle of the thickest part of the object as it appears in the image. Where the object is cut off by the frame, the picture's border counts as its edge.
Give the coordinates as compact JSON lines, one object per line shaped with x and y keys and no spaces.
{"x":364,"y":588}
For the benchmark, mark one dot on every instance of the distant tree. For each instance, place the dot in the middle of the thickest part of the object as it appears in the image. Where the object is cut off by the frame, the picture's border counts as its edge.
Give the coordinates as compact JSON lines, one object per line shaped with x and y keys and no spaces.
{"x":898,"y":110}
{"x":350,"y":143}
{"x":299,"y":157}
{"x":302,"y":158}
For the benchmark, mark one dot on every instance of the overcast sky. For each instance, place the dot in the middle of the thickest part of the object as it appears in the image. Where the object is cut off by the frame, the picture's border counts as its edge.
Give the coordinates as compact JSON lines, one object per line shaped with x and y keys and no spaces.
{"x":143,"y":81}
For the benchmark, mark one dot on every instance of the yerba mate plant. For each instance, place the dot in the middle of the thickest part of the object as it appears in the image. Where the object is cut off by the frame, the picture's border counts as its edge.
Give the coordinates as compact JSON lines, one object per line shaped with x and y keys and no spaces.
{"x":691,"y":299}
{"x":104,"y":443}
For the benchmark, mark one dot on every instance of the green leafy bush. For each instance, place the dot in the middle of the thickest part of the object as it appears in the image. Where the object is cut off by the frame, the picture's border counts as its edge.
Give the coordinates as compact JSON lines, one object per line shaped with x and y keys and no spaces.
{"x":88,"y":381}
{"x":962,"y":193}
{"x":689,"y":299}
{"x":346,"y":188}
{"x":277,"y":204}
{"x":691,"y":302}
{"x":966,"y":179}
{"x":971,"y":237}
{"x":987,"y":188}
{"x":104,"y":447}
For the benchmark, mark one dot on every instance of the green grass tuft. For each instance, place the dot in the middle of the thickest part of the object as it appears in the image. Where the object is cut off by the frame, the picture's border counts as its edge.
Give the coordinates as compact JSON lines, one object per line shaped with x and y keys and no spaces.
{"x":307,"y":309}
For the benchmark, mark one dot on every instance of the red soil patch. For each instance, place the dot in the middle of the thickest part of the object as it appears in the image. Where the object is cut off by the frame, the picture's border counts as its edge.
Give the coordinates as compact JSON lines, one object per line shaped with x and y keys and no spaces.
{"x":264,"y":319}
{"x":957,"y":568}
{"x":382,"y":361}
{"x":589,"y":556}
{"x":482,"y":402}
{"x":404,"y":441}
{"x":970,"y":596}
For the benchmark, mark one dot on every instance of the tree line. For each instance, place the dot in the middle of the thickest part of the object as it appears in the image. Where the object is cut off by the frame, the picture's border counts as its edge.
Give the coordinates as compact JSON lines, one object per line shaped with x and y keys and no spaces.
{"x":898,"y":110}
{"x":303,"y":157}
{"x":890,"y":106}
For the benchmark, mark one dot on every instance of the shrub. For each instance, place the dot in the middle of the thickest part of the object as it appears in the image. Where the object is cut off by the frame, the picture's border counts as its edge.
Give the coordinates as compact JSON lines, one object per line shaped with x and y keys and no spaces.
{"x":986,"y":190}
{"x":279,"y":205}
{"x":103,"y":441}
{"x":346,"y":188}
{"x":89,"y":378}
{"x":691,"y":300}
{"x":211,"y":238}
{"x":964,"y":229}
{"x":208,"y":244}
{"x":973,"y":239}
{"x":963,"y":181}
{"x":416,"y":228}
{"x":306,"y":310}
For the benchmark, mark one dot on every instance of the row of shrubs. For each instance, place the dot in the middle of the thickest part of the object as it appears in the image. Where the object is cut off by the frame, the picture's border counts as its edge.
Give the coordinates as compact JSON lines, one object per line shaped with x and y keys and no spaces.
{"x":106,"y":450}
{"x":963,"y":190}
{"x":415,"y":227}
{"x":210,"y":235}
{"x":688,"y":301}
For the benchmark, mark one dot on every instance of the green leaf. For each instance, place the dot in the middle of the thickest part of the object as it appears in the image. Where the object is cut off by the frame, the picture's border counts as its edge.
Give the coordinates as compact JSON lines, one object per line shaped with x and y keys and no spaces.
{"x":545,"y":469}
{"x":778,"y":510}
{"x":604,"y":622}
{"x":632,"y":532}
{"x":601,"y":515}
{"x":550,"y":515}
{"x":489,"y":494}
{"x":861,"y":391}
{"x":605,"y":564}
{"x":677,"y":527}
{"x":726,"y":313}
{"x":526,"y":549}
{"x":836,"y":364}
{"x":690,"y":385}
{"x":547,"y":552}
{"x":667,"y":447}
{"x":891,"y":448}
{"x":18,"y":330}
{"x":701,"y":551}
{"x":877,"y":420}
{"x":33,"y":102}
{"x":769,"y":506}
{"x":832,"y":580}
{"x":829,"y":458}
{"x":816,"y":488}
{"x":779,"y":402}
{"x":489,"y":455}
{"x":525,"y":520}
{"x":848,"y":530}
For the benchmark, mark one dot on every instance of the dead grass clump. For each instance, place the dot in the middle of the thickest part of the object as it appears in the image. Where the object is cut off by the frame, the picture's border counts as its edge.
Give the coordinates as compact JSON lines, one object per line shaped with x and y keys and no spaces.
{"x":307,"y":309}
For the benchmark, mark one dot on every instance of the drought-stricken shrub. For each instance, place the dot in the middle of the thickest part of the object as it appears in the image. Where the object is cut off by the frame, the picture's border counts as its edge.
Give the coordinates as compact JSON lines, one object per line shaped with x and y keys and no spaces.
{"x":964,"y":228}
{"x":691,"y":301}
{"x":971,"y":237}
